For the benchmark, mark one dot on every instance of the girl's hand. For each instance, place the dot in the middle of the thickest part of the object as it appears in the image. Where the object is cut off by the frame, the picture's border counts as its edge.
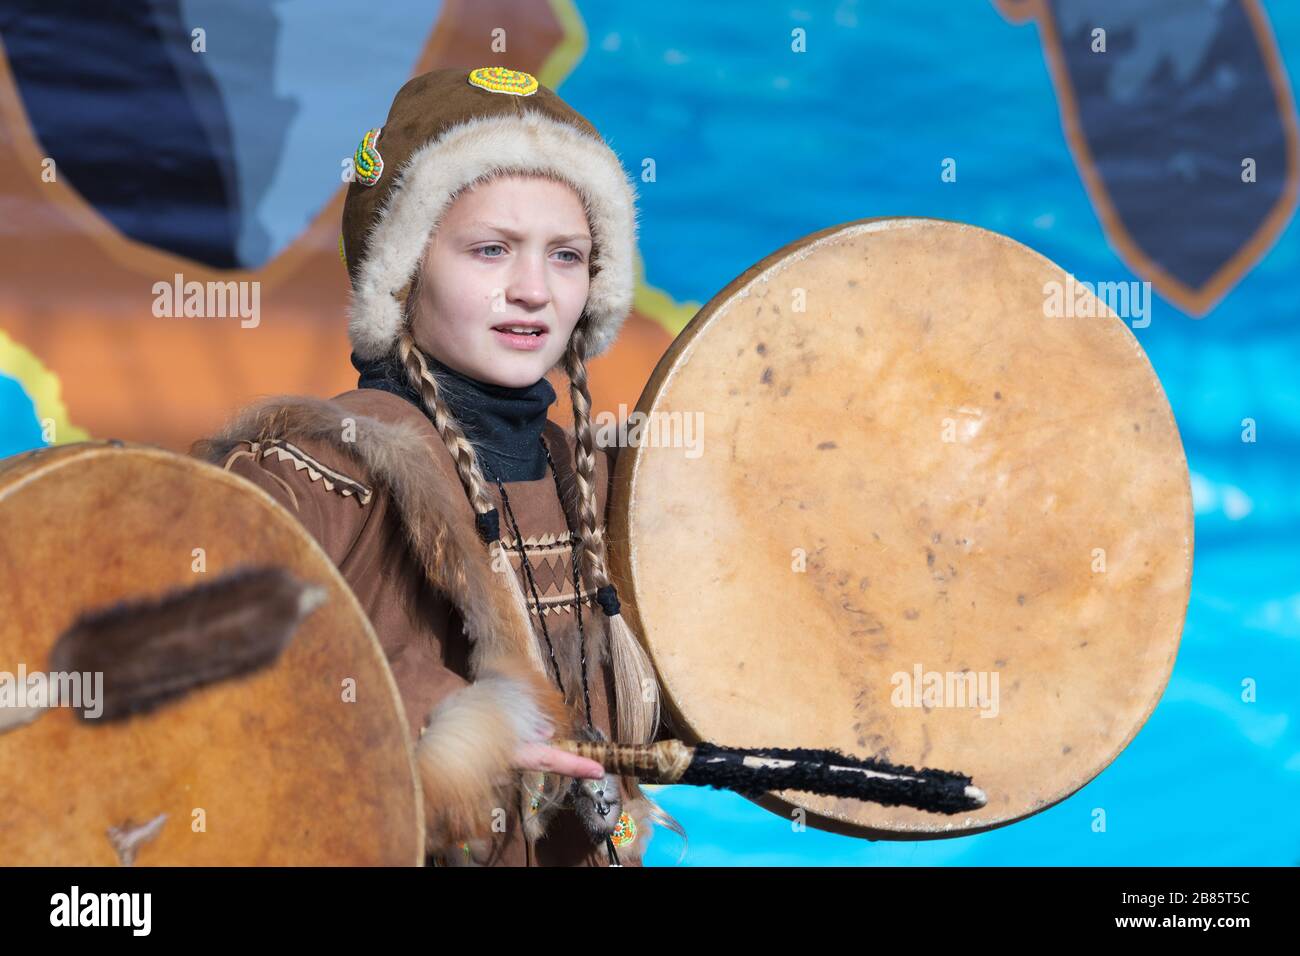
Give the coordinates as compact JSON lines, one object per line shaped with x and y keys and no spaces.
{"x":555,"y":760}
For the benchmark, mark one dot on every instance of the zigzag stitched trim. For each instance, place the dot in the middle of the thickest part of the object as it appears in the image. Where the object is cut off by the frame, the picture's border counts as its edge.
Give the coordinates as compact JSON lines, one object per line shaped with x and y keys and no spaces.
{"x":334,"y":481}
{"x":563,"y":604}
{"x":541,"y":542}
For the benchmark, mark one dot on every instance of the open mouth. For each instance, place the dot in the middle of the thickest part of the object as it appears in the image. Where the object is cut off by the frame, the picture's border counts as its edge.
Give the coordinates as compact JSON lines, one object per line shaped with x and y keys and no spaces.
{"x":521,"y":336}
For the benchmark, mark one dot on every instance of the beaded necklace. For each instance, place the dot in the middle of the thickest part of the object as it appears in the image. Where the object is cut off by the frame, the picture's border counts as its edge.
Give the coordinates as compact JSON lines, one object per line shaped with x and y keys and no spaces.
{"x":532,"y":583}
{"x":577,"y":596}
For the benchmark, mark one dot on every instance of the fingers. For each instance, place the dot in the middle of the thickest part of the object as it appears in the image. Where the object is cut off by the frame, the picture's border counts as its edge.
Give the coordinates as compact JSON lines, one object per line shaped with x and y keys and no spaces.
{"x":553,"y":760}
{"x":571,"y":765}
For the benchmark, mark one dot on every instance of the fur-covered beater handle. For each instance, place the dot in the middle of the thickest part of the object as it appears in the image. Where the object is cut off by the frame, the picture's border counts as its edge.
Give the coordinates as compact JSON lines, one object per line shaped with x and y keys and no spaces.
{"x":757,"y":771}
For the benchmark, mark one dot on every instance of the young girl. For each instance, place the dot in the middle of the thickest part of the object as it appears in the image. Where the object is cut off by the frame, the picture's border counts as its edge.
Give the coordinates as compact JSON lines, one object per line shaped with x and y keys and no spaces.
{"x":489,"y":236}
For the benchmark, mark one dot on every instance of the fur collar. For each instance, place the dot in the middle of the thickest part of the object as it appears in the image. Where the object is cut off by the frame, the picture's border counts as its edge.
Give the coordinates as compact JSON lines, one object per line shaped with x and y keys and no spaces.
{"x":392,"y":443}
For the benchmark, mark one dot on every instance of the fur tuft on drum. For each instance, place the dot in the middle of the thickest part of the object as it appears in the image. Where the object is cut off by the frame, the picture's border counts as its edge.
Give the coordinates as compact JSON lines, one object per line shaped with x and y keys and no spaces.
{"x":885,"y":501}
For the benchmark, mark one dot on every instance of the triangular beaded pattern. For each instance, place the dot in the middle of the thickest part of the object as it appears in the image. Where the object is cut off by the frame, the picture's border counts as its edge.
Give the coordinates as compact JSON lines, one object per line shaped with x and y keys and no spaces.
{"x":287,"y":451}
{"x":551,"y":558}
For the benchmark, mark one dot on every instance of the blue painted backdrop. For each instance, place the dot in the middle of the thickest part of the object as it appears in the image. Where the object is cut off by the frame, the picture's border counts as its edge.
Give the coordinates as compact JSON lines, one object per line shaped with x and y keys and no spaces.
{"x":754,"y":150}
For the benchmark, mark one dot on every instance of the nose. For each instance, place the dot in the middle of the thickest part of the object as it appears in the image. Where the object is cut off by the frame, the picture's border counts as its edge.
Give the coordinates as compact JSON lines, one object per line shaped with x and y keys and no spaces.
{"x":528,"y":282}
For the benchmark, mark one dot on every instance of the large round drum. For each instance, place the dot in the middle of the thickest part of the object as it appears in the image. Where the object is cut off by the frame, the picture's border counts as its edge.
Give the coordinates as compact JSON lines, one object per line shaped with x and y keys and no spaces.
{"x":885,"y":501}
{"x":306,"y":761}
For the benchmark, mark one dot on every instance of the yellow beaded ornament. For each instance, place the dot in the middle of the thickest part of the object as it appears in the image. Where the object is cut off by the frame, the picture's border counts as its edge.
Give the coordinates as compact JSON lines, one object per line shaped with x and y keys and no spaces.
{"x":497,"y":79}
{"x":367,"y":161}
{"x":625,"y":831}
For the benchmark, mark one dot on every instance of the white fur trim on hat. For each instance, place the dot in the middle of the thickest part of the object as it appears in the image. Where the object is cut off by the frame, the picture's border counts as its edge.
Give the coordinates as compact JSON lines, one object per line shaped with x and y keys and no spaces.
{"x":530,"y":142}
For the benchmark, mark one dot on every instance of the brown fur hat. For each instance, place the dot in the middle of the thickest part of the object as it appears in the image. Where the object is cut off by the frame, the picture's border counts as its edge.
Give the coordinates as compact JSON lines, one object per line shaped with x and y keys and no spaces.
{"x":445,"y":130}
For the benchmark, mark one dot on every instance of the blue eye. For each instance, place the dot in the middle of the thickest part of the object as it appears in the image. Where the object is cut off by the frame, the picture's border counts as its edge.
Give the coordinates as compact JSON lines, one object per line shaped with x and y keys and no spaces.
{"x":495,"y":245}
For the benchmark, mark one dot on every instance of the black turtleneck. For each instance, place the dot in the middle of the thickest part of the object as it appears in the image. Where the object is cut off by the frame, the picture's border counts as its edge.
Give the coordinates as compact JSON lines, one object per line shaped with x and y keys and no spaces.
{"x":504,"y":424}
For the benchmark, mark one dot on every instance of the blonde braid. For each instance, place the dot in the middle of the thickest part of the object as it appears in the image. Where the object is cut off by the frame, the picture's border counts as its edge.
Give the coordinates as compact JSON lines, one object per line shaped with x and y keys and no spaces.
{"x":638,"y":718}
{"x":462,"y":450}
{"x":471,"y":477}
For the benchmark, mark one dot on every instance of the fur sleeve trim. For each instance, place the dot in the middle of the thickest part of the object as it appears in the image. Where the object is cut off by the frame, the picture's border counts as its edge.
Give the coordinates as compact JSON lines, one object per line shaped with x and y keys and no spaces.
{"x":466,"y":750}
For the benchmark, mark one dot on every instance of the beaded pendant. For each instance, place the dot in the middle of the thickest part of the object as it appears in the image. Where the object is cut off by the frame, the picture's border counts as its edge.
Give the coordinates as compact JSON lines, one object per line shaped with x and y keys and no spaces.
{"x":625,"y":831}
{"x":497,"y":79}
{"x":535,"y":802}
{"x":367,"y":161}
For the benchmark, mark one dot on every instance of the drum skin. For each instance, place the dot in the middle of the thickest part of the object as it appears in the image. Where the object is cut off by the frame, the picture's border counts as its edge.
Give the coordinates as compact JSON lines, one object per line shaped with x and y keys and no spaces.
{"x":271,"y":768}
{"x":909,"y":470}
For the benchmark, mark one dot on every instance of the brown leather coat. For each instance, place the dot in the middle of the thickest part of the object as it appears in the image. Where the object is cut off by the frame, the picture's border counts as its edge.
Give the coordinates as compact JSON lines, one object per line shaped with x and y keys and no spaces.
{"x":370,"y":478}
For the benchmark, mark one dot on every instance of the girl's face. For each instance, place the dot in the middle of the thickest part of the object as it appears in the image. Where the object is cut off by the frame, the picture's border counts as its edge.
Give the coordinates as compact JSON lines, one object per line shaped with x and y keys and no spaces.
{"x":512,"y":252}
